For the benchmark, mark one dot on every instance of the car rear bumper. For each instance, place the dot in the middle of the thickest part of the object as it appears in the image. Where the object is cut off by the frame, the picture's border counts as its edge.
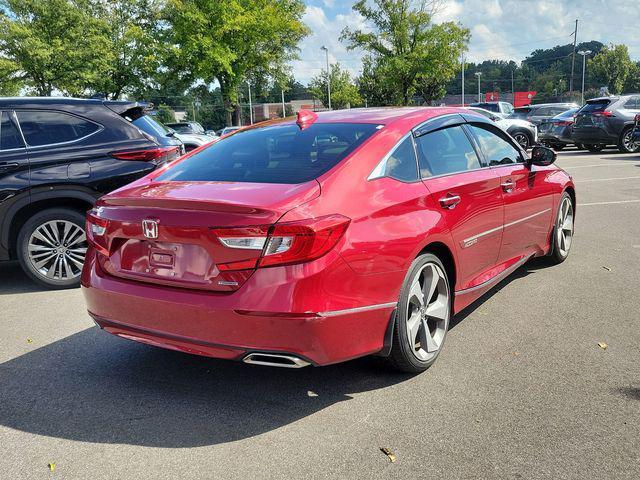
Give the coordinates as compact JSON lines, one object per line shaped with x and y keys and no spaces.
{"x":593,"y":136}
{"x":223,"y":325}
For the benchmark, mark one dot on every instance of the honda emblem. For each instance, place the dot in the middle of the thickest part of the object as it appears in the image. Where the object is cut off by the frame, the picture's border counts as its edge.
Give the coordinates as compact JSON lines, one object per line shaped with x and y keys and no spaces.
{"x":150,"y":228}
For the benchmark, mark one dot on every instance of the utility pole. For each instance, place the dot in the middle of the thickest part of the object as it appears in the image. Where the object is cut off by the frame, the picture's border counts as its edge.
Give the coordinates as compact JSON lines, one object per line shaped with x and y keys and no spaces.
{"x":513,"y":90}
{"x":463,"y":79}
{"x":250,"y":105}
{"x":573,"y":59}
{"x":326,"y":51}
{"x":477,"y":74}
{"x":584,"y":54}
{"x":284,"y":111}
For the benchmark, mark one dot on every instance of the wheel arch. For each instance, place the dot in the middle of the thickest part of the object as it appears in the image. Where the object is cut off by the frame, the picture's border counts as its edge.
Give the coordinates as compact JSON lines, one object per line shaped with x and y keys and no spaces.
{"x":444,"y":253}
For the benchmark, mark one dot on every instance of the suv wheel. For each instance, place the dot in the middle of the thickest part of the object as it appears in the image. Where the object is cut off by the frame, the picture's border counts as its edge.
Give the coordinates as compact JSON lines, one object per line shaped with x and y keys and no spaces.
{"x":522,"y":139}
{"x":51,"y":247}
{"x":422,"y":315}
{"x":626,"y":143}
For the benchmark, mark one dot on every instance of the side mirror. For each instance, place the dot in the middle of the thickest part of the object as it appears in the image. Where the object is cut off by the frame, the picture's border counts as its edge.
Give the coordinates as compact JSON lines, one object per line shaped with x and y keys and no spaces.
{"x":542,"y":156}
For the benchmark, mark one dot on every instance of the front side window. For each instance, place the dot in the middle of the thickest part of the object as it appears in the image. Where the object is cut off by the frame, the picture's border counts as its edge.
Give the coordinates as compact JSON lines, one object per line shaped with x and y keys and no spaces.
{"x":273,"y":154}
{"x":496,"y":149}
{"x":446,"y":151}
{"x":46,"y":127}
{"x":9,"y":135}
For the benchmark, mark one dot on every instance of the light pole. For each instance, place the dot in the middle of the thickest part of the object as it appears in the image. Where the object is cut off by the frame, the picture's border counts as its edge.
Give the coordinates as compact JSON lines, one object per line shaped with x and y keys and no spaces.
{"x":584,"y":54}
{"x":463,"y":79}
{"x":477,"y":74}
{"x":250,"y":105}
{"x":326,"y":51}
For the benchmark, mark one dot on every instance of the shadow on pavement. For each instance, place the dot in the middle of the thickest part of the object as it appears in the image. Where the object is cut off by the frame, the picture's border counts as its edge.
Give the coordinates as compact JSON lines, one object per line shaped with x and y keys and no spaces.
{"x":93,"y":387}
{"x":13,"y":280}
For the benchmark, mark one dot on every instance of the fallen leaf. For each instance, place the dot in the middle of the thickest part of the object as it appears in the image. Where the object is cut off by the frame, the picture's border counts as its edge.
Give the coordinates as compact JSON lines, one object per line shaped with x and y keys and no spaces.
{"x":389,"y":454}
{"x":311,"y":393}
{"x":515,"y":354}
{"x":29,"y":340}
{"x":52,"y":466}
{"x":602,"y":345}
{"x":607,"y":268}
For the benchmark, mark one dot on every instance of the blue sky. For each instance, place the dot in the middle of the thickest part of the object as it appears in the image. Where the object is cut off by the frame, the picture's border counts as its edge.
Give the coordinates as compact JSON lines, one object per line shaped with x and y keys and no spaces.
{"x":500,"y":29}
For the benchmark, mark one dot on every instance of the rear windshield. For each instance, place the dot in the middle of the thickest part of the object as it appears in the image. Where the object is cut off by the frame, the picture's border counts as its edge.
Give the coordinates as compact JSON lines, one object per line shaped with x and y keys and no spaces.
{"x":520,"y":113}
{"x":151,"y":126}
{"x":595,"y":106}
{"x":567,"y":115}
{"x":275,"y":154}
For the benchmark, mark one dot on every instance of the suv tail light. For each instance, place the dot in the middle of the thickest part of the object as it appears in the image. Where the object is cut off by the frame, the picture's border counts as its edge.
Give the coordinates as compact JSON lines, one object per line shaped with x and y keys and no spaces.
{"x":637,"y":118}
{"x":285,"y":243}
{"x":563,"y":123}
{"x":147,"y":154}
{"x":96,"y":230}
{"x":604,"y":113}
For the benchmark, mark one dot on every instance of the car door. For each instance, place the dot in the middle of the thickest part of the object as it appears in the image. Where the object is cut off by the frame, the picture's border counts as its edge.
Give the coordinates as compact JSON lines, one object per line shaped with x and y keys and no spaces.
{"x":527,"y":194}
{"x":469,"y":194}
{"x":14,"y":163}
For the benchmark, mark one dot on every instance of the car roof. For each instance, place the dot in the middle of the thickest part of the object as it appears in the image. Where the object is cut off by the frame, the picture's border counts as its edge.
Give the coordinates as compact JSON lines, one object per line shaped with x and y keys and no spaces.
{"x":385,"y":115}
{"x":119,"y":106}
{"x":553,"y":104}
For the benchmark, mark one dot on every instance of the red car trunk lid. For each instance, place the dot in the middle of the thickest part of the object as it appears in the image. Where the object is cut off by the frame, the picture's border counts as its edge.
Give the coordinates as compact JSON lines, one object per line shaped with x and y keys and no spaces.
{"x":162,"y":232}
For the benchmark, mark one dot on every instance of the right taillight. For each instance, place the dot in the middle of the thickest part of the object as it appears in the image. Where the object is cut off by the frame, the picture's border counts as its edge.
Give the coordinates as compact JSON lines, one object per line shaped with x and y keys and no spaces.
{"x":285,"y":243}
{"x":96,"y":232}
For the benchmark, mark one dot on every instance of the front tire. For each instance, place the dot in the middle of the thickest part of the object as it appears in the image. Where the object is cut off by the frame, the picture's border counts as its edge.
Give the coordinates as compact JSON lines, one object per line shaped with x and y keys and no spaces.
{"x":422,"y":315}
{"x":626,"y":144}
{"x":563,"y":230}
{"x":51,"y":247}
{"x":522,"y":139}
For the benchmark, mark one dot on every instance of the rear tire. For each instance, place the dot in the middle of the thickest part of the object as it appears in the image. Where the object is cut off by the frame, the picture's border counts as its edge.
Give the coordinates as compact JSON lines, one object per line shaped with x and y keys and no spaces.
{"x":563,"y":230}
{"x":422,"y":316}
{"x":626,"y":143}
{"x":594,"y":148}
{"x":523,"y":139}
{"x":51,"y":247}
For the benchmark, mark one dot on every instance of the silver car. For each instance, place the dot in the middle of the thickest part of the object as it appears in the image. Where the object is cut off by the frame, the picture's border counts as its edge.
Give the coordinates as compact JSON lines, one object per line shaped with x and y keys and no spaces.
{"x":523,"y":132}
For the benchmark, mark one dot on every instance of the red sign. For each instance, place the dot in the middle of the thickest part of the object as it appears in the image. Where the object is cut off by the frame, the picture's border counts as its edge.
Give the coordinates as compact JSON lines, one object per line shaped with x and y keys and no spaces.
{"x":491,"y":96}
{"x":521,"y":99}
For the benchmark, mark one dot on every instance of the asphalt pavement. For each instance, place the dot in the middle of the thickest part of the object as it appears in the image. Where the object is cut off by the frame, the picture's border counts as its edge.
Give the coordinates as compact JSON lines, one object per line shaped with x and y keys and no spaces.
{"x":522,"y":390}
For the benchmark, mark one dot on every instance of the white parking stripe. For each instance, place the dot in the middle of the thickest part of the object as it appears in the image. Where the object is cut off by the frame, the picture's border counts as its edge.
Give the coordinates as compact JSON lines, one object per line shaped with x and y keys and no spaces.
{"x":607,"y":203}
{"x":605,"y":179}
{"x":617,"y":164}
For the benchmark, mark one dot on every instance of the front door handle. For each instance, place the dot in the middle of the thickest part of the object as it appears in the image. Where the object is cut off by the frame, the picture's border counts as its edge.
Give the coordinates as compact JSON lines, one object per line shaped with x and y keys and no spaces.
{"x":8,"y":166}
{"x":450,"y":201}
{"x":508,"y":185}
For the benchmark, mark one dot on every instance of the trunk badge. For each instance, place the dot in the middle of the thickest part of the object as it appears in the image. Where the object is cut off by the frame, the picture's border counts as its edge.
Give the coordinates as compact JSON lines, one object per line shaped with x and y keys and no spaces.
{"x":150,"y":228}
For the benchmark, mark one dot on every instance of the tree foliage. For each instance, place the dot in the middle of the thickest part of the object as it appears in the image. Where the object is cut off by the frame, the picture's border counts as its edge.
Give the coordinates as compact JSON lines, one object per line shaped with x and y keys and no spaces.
{"x":228,"y":41}
{"x":612,"y":67}
{"x":165,"y":114}
{"x":407,"y":53}
{"x":344,"y":93}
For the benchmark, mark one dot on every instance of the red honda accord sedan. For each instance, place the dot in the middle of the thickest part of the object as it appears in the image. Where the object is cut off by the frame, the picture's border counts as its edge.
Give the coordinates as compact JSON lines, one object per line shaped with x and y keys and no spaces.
{"x":324,"y":238}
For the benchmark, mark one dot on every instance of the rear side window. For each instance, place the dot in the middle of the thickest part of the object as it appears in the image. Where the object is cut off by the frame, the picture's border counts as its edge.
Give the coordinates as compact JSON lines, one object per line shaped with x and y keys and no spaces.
{"x":596,"y":106}
{"x":9,"y":135}
{"x":446,"y":151}
{"x":46,"y":128}
{"x":496,"y":149}
{"x":633,"y":103}
{"x":151,"y":126}
{"x":274,"y":154}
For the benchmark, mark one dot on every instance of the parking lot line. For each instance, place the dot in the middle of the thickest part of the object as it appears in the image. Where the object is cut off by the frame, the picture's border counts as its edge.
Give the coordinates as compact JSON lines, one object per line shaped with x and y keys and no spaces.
{"x":612,"y":164}
{"x":608,"y":203}
{"x":606,"y":179}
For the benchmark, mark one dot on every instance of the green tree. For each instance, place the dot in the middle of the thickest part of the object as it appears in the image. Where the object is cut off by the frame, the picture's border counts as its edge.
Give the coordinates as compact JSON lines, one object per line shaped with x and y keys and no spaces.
{"x":612,"y":67}
{"x":56,"y":44}
{"x":408,"y":54}
{"x":344,"y":92}
{"x":10,"y":81}
{"x":165,"y":114}
{"x":227,"y":41}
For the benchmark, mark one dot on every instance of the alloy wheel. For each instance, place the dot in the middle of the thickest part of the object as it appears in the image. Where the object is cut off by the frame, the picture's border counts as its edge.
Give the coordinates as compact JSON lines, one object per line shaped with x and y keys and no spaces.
{"x":522,"y":139}
{"x":57,"y":249}
{"x":629,"y":144}
{"x":564,"y":230}
{"x":428,"y":311}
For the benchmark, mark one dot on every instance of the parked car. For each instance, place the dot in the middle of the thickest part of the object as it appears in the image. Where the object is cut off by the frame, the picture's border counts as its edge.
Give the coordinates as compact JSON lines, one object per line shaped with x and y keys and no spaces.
{"x":57,"y":156}
{"x":608,"y":121}
{"x":556,"y":132}
{"x":525,"y":133}
{"x":503,"y":109}
{"x":541,"y":112}
{"x":272,"y":248}
{"x":191,"y":134}
{"x":227,"y":130}
{"x":636,"y":129}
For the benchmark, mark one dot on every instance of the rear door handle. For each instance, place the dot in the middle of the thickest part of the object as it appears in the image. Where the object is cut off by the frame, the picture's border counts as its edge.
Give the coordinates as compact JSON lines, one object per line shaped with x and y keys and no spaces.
{"x":508,"y":185}
{"x":8,"y":166}
{"x":450,"y":201}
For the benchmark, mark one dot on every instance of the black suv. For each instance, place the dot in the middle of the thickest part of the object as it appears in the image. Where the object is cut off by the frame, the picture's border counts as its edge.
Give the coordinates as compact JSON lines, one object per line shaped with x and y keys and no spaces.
{"x":57,"y":156}
{"x":607,"y":121}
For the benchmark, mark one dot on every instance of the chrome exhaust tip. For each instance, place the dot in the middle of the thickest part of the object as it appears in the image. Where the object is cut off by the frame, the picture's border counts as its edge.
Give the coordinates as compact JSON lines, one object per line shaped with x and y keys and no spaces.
{"x":275,"y":360}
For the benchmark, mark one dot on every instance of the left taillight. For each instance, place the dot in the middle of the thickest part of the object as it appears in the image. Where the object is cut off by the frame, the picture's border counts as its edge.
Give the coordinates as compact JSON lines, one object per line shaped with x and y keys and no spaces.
{"x":96,"y":229}
{"x":285,"y":243}
{"x":156,"y":154}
